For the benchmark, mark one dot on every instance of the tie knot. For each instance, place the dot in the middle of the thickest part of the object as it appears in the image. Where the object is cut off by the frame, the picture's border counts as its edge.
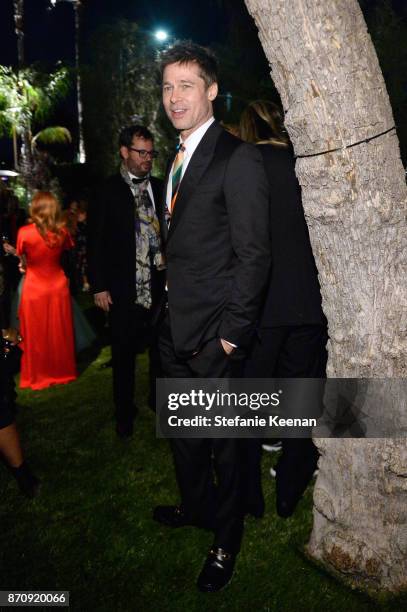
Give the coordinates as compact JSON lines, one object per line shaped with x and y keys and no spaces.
{"x":180,"y":147}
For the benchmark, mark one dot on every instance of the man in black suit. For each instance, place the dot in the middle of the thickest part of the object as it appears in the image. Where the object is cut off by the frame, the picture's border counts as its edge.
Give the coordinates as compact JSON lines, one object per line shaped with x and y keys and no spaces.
{"x":126,"y":266}
{"x":218,"y":255}
{"x":291,"y":338}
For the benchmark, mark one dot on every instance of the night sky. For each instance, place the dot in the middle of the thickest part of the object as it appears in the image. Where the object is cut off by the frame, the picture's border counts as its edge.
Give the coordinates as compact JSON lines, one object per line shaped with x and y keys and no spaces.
{"x":49,"y":33}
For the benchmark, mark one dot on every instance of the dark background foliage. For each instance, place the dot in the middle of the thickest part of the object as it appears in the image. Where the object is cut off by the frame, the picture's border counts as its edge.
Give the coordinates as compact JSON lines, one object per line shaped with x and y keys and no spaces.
{"x":118,"y":62}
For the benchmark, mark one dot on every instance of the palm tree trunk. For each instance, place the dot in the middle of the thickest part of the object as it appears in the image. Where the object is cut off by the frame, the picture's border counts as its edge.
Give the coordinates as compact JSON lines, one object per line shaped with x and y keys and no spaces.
{"x":25,"y":162}
{"x":82,"y":153}
{"x":19,"y":30}
{"x":339,"y":118}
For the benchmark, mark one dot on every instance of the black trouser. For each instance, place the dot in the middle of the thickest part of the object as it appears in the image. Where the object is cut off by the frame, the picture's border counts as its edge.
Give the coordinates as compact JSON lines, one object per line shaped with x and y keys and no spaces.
{"x":131,"y":333}
{"x":197,"y":461}
{"x":8,"y":369}
{"x":286,"y":352}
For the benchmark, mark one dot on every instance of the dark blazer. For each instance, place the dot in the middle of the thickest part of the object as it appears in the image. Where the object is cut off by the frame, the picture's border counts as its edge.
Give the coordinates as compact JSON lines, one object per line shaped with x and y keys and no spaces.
{"x":4,"y":318}
{"x":218,"y":245}
{"x":293,"y":295}
{"x":112,"y":242}
{"x":4,"y":295}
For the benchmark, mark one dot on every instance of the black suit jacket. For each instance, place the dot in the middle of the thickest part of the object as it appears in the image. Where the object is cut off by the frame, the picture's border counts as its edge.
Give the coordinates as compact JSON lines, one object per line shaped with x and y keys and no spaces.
{"x":293,"y":295}
{"x":112,"y":242}
{"x":4,"y":314}
{"x":218,"y":245}
{"x":4,"y":294}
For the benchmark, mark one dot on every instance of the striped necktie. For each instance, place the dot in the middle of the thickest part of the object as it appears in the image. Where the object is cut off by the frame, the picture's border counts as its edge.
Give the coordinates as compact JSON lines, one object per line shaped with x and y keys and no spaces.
{"x":176,"y":175}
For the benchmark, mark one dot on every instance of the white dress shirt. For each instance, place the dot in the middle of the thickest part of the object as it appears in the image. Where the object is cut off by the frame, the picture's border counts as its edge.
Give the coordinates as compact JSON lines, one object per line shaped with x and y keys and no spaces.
{"x":190,"y":145}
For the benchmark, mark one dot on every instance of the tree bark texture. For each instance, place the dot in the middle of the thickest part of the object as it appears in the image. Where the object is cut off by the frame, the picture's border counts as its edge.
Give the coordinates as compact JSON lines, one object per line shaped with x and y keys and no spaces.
{"x":326,"y":70}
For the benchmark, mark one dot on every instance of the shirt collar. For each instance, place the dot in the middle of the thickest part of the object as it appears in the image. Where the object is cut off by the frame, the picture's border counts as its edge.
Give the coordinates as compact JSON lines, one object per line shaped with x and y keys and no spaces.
{"x":195,"y":138}
{"x":132,"y":176}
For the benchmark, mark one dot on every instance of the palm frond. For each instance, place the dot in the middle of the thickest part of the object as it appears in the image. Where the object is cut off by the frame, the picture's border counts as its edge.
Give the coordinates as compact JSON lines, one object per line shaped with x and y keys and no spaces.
{"x":29,"y":94}
{"x":52,"y":135}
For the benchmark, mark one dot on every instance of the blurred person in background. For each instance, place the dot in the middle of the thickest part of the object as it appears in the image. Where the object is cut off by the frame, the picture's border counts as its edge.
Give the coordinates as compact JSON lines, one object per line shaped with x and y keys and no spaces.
{"x":80,"y":248}
{"x":10,"y":447}
{"x":13,"y":217}
{"x":126,"y":266}
{"x":45,"y":310}
{"x":292,"y":331}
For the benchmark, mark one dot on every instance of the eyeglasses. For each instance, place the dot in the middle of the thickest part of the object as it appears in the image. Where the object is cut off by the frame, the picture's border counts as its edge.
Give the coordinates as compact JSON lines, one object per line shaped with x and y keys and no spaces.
{"x":143,"y":153}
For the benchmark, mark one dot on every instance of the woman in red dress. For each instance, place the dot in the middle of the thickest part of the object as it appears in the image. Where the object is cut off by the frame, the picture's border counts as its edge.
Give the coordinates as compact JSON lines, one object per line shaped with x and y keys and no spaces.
{"x":45,"y":310}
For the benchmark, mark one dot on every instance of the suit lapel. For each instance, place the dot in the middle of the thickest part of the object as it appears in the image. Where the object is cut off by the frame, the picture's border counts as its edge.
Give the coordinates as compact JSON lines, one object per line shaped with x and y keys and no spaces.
{"x":157,"y":187}
{"x":127,"y":195}
{"x":199,"y":162}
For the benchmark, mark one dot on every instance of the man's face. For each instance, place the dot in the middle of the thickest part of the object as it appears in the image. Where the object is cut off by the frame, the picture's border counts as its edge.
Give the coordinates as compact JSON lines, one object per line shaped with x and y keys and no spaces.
{"x":138,"y":163}
{"x":187,"y":100}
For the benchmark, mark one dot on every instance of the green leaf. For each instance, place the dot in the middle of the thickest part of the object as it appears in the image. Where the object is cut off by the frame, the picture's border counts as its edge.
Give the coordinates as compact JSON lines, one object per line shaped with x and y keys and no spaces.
{"x":53,"y":135}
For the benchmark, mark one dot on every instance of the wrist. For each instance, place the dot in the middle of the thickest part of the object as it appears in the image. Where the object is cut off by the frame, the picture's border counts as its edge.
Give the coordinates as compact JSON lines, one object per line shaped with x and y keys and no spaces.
{"x":228,"y":347}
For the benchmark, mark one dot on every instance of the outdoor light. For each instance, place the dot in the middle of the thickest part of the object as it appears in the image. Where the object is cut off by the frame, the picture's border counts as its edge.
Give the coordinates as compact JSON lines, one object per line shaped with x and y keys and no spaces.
{"x":161,"y":35}
{"x":5,"y":174}
{"x":54,"y":2}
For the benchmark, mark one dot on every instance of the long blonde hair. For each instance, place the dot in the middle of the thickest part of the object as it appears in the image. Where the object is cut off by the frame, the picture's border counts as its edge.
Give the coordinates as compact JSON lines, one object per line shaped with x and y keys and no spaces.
{"x":262,"y":123}
{"x":46,"y":213}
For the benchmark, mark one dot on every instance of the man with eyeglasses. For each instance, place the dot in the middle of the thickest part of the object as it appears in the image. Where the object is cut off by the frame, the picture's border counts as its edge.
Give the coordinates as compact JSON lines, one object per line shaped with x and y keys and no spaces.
{"x":126,"y":265}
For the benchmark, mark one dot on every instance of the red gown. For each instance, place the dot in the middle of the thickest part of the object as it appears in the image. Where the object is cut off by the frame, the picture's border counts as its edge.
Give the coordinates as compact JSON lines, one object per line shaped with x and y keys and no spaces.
{"x":45,"y":313}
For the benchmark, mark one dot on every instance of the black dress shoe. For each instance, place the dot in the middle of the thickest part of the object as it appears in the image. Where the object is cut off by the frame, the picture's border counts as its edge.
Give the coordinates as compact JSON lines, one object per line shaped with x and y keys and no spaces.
{"x":217,"y":571}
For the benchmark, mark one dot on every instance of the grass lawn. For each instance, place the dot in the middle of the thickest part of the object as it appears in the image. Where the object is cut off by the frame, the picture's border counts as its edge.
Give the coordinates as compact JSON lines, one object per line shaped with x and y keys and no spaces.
{"x":90,"y":530}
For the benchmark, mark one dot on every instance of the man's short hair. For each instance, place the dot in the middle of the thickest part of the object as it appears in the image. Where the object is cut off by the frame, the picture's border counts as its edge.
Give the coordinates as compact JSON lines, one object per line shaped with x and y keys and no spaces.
{"x":128,"y":133}
{"x":185,"y":52}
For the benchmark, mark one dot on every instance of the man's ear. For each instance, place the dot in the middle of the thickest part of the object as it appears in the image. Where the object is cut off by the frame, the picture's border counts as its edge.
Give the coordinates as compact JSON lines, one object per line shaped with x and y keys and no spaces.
{"x":212,"y":91}
{"x":124,"y":153}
